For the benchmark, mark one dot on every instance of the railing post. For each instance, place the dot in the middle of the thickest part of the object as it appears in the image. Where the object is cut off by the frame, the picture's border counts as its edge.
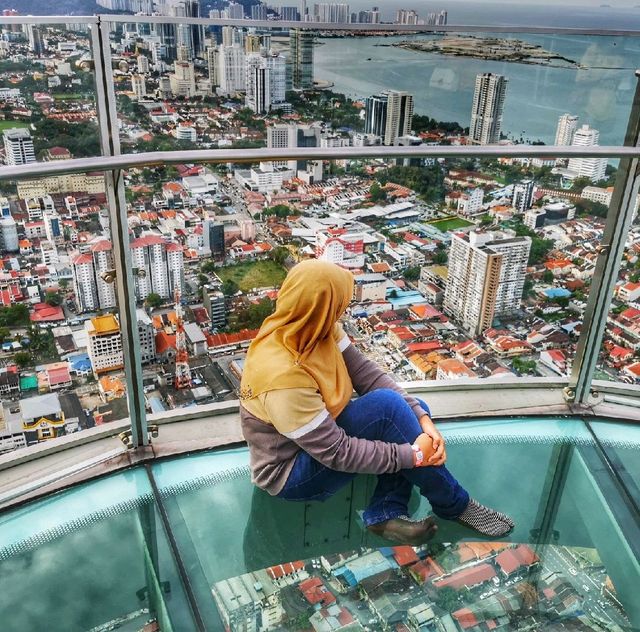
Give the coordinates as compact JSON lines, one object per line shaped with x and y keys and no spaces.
{"x":616,"y":230}
{"x":116,"y":199}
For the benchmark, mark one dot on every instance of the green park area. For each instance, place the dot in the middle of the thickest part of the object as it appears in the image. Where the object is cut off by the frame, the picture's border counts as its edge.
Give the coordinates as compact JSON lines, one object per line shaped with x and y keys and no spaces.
{"x":253,"y":274}
{"x":450,"y":223}
{"x":10,"y":124}
{"x":68,"y":96}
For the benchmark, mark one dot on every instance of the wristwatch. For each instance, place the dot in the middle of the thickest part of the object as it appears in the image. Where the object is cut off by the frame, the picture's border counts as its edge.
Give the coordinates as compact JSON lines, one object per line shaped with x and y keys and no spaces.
{"x":418,"y":455}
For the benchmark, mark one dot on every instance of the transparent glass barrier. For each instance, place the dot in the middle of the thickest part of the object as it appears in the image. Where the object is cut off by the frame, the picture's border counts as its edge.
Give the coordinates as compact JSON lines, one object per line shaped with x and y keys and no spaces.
{"x":194,"y":86}
{"x":420,"y":236}
{"x":62,"y":363}
{"x":47,"y":93}
{"x":619,"y":359}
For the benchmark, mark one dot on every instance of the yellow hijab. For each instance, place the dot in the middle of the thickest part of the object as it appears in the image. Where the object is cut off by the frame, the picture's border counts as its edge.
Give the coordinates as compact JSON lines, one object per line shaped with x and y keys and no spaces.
{"x":295,"y":346}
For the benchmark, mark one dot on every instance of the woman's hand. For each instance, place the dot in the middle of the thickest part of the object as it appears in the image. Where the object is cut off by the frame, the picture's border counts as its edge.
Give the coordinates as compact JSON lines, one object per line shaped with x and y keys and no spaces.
{"x":439,"y":456}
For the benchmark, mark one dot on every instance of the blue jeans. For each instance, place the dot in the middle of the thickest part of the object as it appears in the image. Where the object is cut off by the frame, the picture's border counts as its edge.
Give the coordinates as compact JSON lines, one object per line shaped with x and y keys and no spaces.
{"x":381,"y":415}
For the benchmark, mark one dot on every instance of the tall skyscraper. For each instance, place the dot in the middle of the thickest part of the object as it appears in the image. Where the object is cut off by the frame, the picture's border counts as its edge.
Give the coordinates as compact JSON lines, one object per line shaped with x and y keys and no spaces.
{"x":486,"y":277}
{"x":138,"y":86}
{"x":407,"y":16}
{"x":389,"y":115}
{"x":567,"y":125}
{"x":34,"y":35}
{"x":301,"y":59}
{"x":183,"y":79}
{"x":259,"y":12}
{"x":288,"y":136}
{"x":523,"y":195}
{"x":258,"y":84}
{"x":231,"y":70}
{"x":92,"y":292}
{"x":212,"y":66}
{"x":488,"y":105}
{"x":162,"y":262}
{"x":18,"y":146}
{"x":289,"y":14}
{"x":235,"y":11}
{"x":592,"y":168}
{"x":331,"y":12}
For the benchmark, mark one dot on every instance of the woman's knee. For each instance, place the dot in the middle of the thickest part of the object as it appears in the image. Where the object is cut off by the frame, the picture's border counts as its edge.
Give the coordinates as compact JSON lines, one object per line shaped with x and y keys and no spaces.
{"x":385,"y":398}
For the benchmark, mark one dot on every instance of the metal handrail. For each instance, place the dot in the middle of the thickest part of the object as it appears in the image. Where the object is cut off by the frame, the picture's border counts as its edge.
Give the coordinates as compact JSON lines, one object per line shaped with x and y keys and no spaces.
{"x":318,"y":26}
{"x":149,"y":159}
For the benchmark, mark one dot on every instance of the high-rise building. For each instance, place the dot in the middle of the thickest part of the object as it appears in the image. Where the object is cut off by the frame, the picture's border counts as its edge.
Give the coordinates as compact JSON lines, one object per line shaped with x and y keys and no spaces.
{"x":289,"y":136}
{"x":8,"y":234}
{"x":259,"y":12}
{"x":235,"y":11}
{"x":265,"y":82}
{"x":212,"y":66}
{"x":252,"y":43}
{"x":407,"y":16}
{"x":34,"y":35}
{"x":214,"y":303}
{"x":523,"y":195}
{"x":231,"y":70}
{"x":486,"y":277}
{"x":213,"y":238}
{"x":104,"y":344}
{"x":143,"y":64}
{"x":389,"y":115}
{"x":301,"y":59}
{"x":18,"y":146}
{"x":488,"y":105}
{"x":138,"y":86}
{"x":289,"y":14}
{"x":567,"y":125}
{"x":162,"y":263}
{"x":593,"y":168}
{"x":146,"y":336}
{"x":92,"y":291}
{"x":331,"y":12}
{"x":438,"y":18}
{"x":183,"y":79}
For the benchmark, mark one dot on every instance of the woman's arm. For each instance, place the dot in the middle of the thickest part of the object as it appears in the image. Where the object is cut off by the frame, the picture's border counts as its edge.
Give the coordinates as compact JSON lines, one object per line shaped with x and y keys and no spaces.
{"x":367,"y":376}
{"x":300,"y":415}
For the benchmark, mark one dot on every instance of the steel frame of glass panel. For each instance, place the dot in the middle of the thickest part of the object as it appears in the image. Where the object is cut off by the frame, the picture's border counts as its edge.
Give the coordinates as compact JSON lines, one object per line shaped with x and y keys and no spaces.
{"x":580,"y":387}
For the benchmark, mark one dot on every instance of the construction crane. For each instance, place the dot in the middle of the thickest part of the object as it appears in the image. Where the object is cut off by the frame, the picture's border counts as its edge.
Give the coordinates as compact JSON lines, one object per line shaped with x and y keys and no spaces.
{"x":183,"y":371}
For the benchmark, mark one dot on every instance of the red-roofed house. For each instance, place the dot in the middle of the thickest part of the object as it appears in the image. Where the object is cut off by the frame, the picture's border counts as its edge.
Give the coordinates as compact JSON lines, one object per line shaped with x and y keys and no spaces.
{"x":633,"y":371}
{"x":465,"y":618}
{"x":512,"y":560}
{"x":404,"y":555}
{"x":165,"y":346}
{"x":57,"y":376}
{"x":555,"y":359}
{"x":10,"y":294}
{"x":629,"y":292}
{"x":284,"y":570}
{"x":220,"y":343}
{"x":467,"y":577}
{"x":426,"y":570}
{"x":43,"y":313}
{"x":315,"y":592}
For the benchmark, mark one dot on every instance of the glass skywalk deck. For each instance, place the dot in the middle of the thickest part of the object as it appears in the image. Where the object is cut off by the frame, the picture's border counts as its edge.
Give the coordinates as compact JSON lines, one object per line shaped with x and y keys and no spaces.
{"x":188,"y":543}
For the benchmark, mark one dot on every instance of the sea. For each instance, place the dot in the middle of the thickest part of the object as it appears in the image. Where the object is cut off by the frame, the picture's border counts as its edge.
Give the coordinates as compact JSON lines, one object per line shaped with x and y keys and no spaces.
{"x":599,"y":92}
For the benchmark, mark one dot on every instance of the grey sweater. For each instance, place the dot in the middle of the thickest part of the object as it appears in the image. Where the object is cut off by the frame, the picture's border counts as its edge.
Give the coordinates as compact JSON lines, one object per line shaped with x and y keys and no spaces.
{"x":272,"y":454}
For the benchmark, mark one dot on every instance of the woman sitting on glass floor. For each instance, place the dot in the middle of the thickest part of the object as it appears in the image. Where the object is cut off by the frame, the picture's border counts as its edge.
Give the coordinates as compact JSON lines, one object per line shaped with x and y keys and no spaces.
{"x":307,"y":438}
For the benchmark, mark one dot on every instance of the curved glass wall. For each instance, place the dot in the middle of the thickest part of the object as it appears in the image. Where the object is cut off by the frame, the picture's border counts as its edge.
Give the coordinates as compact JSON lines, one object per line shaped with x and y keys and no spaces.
{"x":191,"y":544}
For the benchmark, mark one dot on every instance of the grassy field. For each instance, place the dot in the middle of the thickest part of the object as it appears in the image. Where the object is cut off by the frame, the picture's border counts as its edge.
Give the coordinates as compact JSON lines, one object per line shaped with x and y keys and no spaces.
{"x":67,"y":97}
{"x":254,"y":274}
{"x":453,"y":223}
{"x":9,"y":124}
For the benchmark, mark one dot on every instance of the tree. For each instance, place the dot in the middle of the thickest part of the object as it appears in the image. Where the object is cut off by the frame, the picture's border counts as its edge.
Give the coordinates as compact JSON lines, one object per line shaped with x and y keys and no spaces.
{"x":547,"y":277}
{"x":377,"y":193}
{"x":440,"y":257}
{"x":208,"y":267}
{"x":153,"y":300}
{"x":279,"y":255}
{"x":230,"y":287}
{"x":486,"y":219}
{"x":22,"y":359}
{"x":64,"y":283}
{"x":447,"y":599}
{"x":53,"y":298}
{"x":203,"y":279}
{"x":412,"y":274}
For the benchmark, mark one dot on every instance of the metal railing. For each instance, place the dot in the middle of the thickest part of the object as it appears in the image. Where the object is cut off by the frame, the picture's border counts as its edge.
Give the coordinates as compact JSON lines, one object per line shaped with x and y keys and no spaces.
{"x":113,"y":164}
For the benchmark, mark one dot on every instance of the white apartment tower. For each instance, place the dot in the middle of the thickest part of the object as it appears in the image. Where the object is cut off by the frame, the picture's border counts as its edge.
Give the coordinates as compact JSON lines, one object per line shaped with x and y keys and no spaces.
{"x":212,"y":66}
{"x":138,"y":86}
{"x":18,"y":147}
{"x":162,"y":263}
{"x":231,"y":70}
{"x":592,"y":168}
{"x":265,"y":82}
{"x":486,"y":277}
{"x":488,"y":105}
{"x":91,"y":290}
{"x":567,"y":125}
{"x":105,"y":344}
{"x":183,"y":79}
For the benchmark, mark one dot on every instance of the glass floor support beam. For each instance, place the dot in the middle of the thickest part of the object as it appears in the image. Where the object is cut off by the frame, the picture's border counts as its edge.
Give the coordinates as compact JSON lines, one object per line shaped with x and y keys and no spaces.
{"x":616,"y":230}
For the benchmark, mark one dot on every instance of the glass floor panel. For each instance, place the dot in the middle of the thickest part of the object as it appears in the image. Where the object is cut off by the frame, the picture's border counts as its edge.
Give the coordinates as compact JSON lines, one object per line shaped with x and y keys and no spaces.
{"x":208,"y":551}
